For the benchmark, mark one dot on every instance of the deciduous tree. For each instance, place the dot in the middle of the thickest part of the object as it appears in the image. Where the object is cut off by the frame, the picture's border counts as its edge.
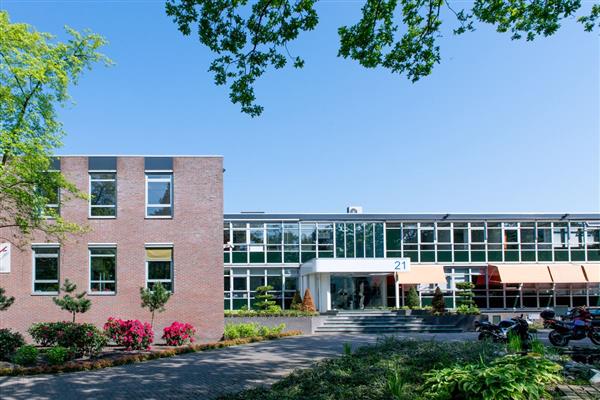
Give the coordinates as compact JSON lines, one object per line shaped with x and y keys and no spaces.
{"x":248,"y":38}
{"x":35,"y":73}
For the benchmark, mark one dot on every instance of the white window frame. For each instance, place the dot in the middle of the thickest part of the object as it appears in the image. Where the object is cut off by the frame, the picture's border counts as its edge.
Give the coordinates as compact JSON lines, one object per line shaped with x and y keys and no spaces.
{"x":172,"y":269}
{"x":170,"y":180}
{"x":90,"y":281}
{"x":34,"y":252}
{"x":90,"y":206}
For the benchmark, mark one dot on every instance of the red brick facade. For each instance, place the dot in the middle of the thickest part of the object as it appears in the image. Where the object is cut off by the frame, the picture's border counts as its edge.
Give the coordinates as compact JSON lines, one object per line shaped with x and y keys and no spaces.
{"x":195,"y":231}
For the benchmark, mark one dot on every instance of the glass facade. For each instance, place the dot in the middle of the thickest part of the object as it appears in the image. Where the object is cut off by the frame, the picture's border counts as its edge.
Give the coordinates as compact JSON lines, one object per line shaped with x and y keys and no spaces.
{"x":423,"y":242}
{"x":259,"y":252}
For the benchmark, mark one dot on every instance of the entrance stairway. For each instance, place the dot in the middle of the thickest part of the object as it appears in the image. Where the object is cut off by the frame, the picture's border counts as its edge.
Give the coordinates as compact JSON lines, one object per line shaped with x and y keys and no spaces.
{"x":380,"y":321}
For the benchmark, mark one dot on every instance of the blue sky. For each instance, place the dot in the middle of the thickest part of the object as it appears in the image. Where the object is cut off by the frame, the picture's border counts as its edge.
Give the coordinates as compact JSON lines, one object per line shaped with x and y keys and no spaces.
{"x":499,"y":126}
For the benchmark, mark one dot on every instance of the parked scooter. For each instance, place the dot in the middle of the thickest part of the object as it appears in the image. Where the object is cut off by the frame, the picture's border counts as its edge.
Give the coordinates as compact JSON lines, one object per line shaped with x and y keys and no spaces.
{"x":499,"y":333}
{"x":577,"y":327}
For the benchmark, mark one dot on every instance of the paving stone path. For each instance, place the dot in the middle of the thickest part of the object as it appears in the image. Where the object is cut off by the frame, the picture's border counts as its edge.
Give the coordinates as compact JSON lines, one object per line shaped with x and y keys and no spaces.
{"x":203,"y":375}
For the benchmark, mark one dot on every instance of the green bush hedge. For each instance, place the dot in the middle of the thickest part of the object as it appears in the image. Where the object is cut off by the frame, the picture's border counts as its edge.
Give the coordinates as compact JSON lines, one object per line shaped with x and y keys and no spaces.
{"x":26,"y":355}
{"x":57,"y":355}
{"x":81,"y":339}
{"x":269,"y":313}
{"x":250,"y":329}
{"x":9,"y":343}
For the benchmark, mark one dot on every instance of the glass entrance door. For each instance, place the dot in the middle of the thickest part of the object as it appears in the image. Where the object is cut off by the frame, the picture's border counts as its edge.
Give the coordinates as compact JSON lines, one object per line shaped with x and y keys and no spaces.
{"x":351,"y":292}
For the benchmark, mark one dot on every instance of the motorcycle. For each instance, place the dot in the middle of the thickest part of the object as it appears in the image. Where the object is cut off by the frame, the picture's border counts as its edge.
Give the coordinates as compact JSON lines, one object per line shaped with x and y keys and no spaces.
{"x":499,"y":333}
{"x":578,"y":326}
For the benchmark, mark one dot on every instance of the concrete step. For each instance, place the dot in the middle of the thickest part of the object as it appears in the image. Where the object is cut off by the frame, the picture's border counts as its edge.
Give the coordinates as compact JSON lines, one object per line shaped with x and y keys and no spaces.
{"x":430,"y":329}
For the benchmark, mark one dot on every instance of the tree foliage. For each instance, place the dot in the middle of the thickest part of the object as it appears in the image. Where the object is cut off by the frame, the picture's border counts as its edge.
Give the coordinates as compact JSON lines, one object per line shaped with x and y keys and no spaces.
{"x":247,"y":38}
{"x":265,"y":300}
{"x":5,"y":301}
{"x":35,"y":73}
{"x":72,"y":302}
{"x":155,"y":299}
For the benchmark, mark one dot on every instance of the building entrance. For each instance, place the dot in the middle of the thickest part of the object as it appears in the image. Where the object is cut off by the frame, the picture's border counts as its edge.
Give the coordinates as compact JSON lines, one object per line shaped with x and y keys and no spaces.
{"x":355,"y":292}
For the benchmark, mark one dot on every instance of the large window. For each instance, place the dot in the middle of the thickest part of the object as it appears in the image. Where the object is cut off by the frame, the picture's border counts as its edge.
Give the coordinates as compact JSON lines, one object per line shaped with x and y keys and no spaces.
{"x":159,"y":195}
{"x":159,"y":267}
{"x":103,"y":270}
{"x":103,"y":194}
{"x":241,"y":283}
{"x":45,"y":270}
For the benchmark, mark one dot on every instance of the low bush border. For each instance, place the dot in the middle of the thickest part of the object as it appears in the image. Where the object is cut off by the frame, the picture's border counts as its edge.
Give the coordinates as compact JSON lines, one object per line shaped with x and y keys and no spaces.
{"x":266,"y":313}
{"x":89,"y":365}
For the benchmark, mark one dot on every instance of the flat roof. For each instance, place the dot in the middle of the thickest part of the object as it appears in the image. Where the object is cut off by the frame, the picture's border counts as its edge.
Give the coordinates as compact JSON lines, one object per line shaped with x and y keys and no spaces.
{"x":140,"y":155}
{"x":414,"y":217}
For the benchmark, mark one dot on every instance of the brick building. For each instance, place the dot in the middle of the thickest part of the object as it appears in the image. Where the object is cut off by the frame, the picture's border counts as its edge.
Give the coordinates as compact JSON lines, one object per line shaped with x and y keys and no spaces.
{"x":151,"y":219}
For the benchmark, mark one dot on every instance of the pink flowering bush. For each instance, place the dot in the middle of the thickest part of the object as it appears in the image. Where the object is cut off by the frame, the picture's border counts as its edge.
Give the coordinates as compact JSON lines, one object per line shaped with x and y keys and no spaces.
{"x":178,"y":334}
{"x":131,"y":334}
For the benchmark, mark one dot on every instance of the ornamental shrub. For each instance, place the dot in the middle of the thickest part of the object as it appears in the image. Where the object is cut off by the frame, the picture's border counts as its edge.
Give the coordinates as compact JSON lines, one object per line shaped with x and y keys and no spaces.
{"x":72,"y":302}
{"x":57,"y":355}
{"x":250,"y":329}
{"x":412,"y":298}
{"x":9,"y":342}
{"x":178,"y":334}
{"x":26,"y":355}
{"x":438,"y":304}
{"x":80,"y":339}
{"x":264,"y":298}
{"x":131,"y":334}
{"x":296,"y":301}
{"x":466,"y":304}
{"x":308,"y":304}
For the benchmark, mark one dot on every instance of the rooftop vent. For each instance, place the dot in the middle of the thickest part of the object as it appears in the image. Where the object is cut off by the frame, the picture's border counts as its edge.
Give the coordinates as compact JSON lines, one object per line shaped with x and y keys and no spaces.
{"x":354,"y":210}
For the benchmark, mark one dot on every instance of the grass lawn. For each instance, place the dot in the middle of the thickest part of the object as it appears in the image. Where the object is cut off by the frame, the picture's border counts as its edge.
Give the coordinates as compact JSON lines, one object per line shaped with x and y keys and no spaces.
{"x":366,"y":373}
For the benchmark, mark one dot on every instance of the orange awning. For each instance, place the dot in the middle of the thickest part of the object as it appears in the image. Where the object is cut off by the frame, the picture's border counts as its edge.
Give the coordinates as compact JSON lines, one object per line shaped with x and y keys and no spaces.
{"x":567,"y":273}
{"x":523,"y":273}
{"x":592,"y":271}
{"x":422,"y":274}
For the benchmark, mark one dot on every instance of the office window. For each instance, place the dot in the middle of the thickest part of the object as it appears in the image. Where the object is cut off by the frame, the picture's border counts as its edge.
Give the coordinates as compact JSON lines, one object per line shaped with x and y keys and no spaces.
{"x":560,"y":236}
{"x":46,"y":269}
{"x":444,"y":242}
{"x":460,"y":238}
{"x":593,"y":244}
{"x":159,"y":195}
{"x":544,"y":241}
{"x":103,"y":270}
{"x":159,"y":267}
{"x":325,"y":240}
{"x":103,"y":194}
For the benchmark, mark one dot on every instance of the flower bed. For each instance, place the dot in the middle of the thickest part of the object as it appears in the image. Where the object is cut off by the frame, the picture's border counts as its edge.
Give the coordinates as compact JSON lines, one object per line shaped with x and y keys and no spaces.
{"x":131,"y":334}
{"x":269,"y":313}
{"x":115,"y":359}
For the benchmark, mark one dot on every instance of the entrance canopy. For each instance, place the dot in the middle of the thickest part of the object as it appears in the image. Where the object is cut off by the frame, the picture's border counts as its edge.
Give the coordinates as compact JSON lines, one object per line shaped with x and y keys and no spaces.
{"x":426,"y":274}
{"x":567,"y":273}
{"x":368,"y":266}
{"x":592,"y":271}
{"x":523,"y":273}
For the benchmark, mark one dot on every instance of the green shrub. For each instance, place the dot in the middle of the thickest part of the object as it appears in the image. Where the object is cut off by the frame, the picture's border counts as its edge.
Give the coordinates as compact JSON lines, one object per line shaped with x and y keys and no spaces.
{"x":272,"y":312}
{"x":250,"y":329}
{"x":9,"y":342}
{"x":81,"y":339}
{"x":26,"y":355}
{"x":264,"y":297}
{"x":466,"y":304}
{"x":57,"y":355}
{"x":438,"y":304}
{"x":296,"y":301}
{"x":512,"y":377}
{"x":412,"y":299}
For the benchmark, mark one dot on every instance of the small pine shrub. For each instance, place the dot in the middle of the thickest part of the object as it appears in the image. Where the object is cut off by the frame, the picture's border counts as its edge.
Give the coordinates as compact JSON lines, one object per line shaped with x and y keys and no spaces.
{"x":9,"y":343}
{"x":296,"y":301}
{"x":308,"y":305}
{"x":438,"y":304}
{"x":265,"y":299}
{"x":26,"y":355}
{"x":412,"y":299}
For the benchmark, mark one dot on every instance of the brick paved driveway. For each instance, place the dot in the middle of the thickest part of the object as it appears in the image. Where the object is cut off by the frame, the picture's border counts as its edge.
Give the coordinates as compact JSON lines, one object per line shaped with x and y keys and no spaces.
{"x":202,"y":375}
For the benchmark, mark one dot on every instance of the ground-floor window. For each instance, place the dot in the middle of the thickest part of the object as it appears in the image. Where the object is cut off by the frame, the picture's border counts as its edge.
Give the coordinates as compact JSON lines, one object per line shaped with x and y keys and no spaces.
{"x":159,"y":267}
{"x":103,"y":270}
{"x":46,"y":269}
{"x":240,"y":286}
